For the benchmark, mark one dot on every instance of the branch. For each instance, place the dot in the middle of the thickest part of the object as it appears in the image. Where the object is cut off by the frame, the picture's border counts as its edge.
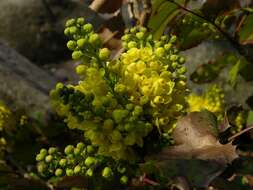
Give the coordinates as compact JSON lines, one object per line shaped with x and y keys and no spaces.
{"x":240,"y":133}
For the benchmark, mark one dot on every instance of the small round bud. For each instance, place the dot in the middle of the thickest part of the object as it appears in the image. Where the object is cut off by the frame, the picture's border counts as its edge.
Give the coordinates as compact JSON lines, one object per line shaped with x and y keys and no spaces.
{"x":87,"y":28}
{"x":58,"y":172}
{"x":90,"y":149}
{"x":63,"y":162}
{"x":104,"y":53}
{"x":40,"y":157}
{"x":69,"y":149}
{"x":81,"y":42}
{"x":73,"y":30}
{"x":173,"y":57}
{"x":107,"y":172}
{"x":69,"y":172}
{"x":41,"y":167}
{"x":70,"y":22}
{"x":77,"y":169}
{"x":80,"y":21}
{"x":143,"y":29}
{"x":140,"y":35}
{"x":173,"y":39}
{"x":138,"y":110}
{"x":66,"y":32}
{"x":77,"y":55}
{"x":52,"y":150}
{"x":108,"y":124}
{"x":77,"y":151}
{"x":71,"y":45}
{"x":124,"y":180}
{"x":133,"y":30}
{"x":89,"y":172}
{"x":131,"y":44}
{"x":160,"y":51}
{"x":80,"y":145}
{"x":94,"y":39}
{"x":43,"y":151}
{"x":49,"y":158}
{"x":181,"y":60}
{"x":174,"y":65}
{"x":167,"y":46}
{"x":81,"y":69}
{"x":130,"y":107}
{"x":89,"y":161}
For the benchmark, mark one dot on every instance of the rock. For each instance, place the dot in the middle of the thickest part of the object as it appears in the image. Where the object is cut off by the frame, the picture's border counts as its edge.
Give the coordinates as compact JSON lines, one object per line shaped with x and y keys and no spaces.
{"x":23,"y":84}
{"x":35,"y":29}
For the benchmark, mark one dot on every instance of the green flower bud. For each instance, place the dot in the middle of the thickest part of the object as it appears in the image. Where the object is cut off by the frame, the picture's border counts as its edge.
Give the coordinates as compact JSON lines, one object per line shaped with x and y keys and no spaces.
{"x":164,"y":38}
{"x":108,"y":124}
{"x":126,"y":37}
{"x":140,"y":35}
{"x":52,"y":150}
{"x":173,"y":39}
{"x":116,"y":136}
{"x":133,"y":30}
{"x":69,"y":149}
{"x":49,"y":158}
{"x":69,"y":172}
{"x":104,"y":53}
{"x":81,"y":69}
{"x":118,"y":115}
{"x":43,"y":151}
{"x":80,"y":21}
{"x":182,"y":70}
{"x":138,"y":110}
{"x":87,"y":28}
{"x":94,"y":39}
{"x":63,"y":162}
{"x":73,"y":30}
{"x":174,"y":65}
{"x":173,"y":57}
{"x":124,"y":180}
{"x":58,"y":172}
{"x":89,"y":172}
{"x":77,"y":151}
{"x":40,"y":157}
{"x":71,"y":45}
{"x":77,"y":169}
{"x":131,"y":44}
{"x":181,"y":60}
{"x":167,"y":46}
{"x":130,"y":107}
{"x":81,"y":42}
{"x":41,"y":167}
{"x":66,"y":31}
{"x":107,"y":172}
{"x":160,"y":51}
{"x":77,"y":55}
{"x":80,"y":145}
{"x":70,"y":22}
{"x":143,"y":29}
{"x":90,"y":149}
{"x":144,"y":100}
{"x":89,"y":161}
{"x":120,"y":88}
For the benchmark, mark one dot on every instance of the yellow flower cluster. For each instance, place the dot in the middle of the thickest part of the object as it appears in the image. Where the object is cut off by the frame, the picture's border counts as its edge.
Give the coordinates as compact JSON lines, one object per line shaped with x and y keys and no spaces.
{"x":212,"y":100}
{"x":117,"y":103}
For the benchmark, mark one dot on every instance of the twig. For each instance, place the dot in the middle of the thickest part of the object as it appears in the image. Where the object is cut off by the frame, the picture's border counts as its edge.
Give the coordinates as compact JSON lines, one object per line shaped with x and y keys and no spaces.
{"x":240,"y":133}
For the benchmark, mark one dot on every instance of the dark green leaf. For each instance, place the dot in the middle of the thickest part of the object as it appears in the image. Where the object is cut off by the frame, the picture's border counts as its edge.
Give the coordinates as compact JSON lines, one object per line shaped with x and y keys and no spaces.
{"x":246,"y":31}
